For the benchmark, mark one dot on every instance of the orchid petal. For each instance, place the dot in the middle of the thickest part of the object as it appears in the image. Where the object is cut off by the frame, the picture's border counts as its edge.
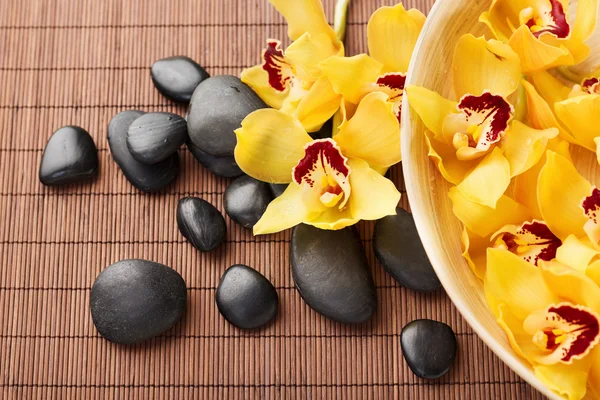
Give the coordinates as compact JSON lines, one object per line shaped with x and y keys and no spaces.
{"x":488,"y":181}
{"x":483,"y":220}
{"x":392,"y":34}
{"x":317,"y":106}
{"x":576,"y":253}
{"x":475,"y":251}
{"x":373,"y":133}
{"x":551,"y":88}
{"x":352,"y":77}
{"x":431,"y":107}
{"x":444,"y":157}
{"x":517,"y":283}
{"x":304,"y":16}
{"x":581,"y":115}
{"x":270,"y":143}
{"x":484,"y":66}
{"x":307,"y":52}
{"x":567,"y":380}
{"x":524,"y":146}
{"x":535,"y":55}
{"x":560,"y":192}
{"x":532,"y":241}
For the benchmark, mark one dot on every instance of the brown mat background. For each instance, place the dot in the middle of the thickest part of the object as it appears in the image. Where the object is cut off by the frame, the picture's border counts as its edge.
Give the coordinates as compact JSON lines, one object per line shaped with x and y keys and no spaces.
{"x":82,"y":61}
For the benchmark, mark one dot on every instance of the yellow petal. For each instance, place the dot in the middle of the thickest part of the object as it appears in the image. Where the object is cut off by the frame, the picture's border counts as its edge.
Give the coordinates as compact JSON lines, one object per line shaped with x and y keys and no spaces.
{"x":431,"y":107}
{"x":488,"y":181}
{"x":597,"y":141}
{"x":517,"y":283}
{"x":575,"y":253}
{"x":560,"y":192}
{"x":540,"y":115}
{"x":519,"y":340}
{"x":535,"y":55}
{"x":318,"y":105}
{"x":524,"y":188}
{"x":307,"y":52}
{"x":351,"y":77}
{"x":373,"y":196}
{"x":570,"y":284}
{"x":373,"y":133}
{"x":483,"y":220}
{"x":258,"y":79}
{"x":594,"y":375}
{"x":502,"y":17}
{"x":304,"y":16}
{"x":444,"y":157}
{"x":474,"y":251}
{"x":581,"y":116}
{"x":524,"y":146}
{"x":585,"y":19}
{"x":567,"y":380}
{"x":333,"y":219}
{"x":286,"y":211}
{"x":392,"y":33}
{"x":550,"y":87}
{"x":481,"y":66}
{"x":269,"y":145}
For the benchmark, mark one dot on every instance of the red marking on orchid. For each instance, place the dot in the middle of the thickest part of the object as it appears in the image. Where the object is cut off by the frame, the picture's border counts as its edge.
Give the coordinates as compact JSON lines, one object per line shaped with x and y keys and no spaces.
{"x":396,"y":82}
{"x":317,"y":154}
{"x":591,"y":205}
{"x":586,"y":332}
{"x":498,"y":109}
{"x":561,"y":28}
{"x":274,"y":60}
{"x":544,"y":237}
{"x":591,"y":85}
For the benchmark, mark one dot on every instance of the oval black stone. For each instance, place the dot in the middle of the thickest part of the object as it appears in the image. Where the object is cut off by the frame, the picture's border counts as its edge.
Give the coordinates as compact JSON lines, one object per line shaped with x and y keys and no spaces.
{"x":217,"y":109}
{"x":332,"y":274}
{"x":154,"y":137}
{"x":176,"y":78}
{"x":145,"y":177}
{"x":429,"y":348}
{"x":277,"y":189}
{"x":135,"y":300}
{"x":224,"y":167}
{"x":397,"y":245}
{"x":70,"y":156}
{"x":246,"y":298}
{"x":246,"y":200}
{"x":201,"y":223}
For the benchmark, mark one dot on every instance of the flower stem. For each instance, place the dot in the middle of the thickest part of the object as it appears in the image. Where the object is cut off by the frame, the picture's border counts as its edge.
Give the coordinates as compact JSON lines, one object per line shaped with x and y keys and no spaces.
{"x":341,"y":13}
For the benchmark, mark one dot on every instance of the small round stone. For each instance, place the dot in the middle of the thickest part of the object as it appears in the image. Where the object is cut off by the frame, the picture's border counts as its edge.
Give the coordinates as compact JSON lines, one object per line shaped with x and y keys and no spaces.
{"x":246,"y":200}
{"x":135,"y":300}
{"x":246,"y":298}
{"x":278,"y":188}
{"x":429,"y":348}
{"x":332,"y":274}
{"x":225,"y":166}
{"x":70,"y":156}
{"x":325,"y":132}
{"x":397,"y":245}
{"x":217,"y":109}
{"x":154,"y":137}
{"x":200,"y":223}
{"x":176,"y":78}
{"x":145,"y":177}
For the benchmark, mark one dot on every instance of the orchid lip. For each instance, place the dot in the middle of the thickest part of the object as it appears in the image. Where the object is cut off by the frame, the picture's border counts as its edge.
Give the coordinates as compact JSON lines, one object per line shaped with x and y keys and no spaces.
{"x":553,"y":21}
{"x":394,"y":82}
{"x":532,"y":241}
{"x":488,"y":115}
{"x":274,"y":64}
{"x":591,"y":85}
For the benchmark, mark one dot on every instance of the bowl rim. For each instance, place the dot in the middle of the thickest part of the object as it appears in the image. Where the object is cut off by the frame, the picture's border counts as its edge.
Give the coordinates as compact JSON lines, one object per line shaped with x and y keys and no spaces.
{"x":426,"y":230}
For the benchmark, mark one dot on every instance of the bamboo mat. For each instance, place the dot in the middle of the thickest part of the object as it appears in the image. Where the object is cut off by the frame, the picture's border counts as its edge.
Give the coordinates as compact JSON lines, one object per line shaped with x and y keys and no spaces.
{"x":82,"y":61}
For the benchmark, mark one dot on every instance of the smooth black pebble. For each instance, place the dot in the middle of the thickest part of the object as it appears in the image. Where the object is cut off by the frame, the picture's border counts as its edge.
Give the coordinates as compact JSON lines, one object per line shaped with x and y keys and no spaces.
{"x":325,"y":132}
{"x":176,"y":78}
{"x":397,"y":245}
{"x":200,"y":223}
{"x":224,"y":167}
{"x":70,"y":156}
{"x":278,"y":188}
{"x":145,"y":177}
{"x":154,"y":137}
{"x":429,"y":347}
{"x":135,"y":300}
{"x":246,"y":298}
{"x":246,"y":200}
{"x":332,"y":274}
{"x":217,"y":109}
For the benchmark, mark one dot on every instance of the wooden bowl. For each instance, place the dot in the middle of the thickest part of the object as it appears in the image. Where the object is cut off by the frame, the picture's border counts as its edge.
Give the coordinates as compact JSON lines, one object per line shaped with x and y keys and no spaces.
{"x":427,"y":190}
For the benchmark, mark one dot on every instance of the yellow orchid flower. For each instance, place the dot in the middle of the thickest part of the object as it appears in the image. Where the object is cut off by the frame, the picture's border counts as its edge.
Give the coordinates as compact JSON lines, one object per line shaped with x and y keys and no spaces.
{"x":392,"y":35}
{"x":550,"y":316}
{"x":479,"y":130}
{"x":542,"y":32}
{"x":331,"y":182}
{"x":291,"y":80}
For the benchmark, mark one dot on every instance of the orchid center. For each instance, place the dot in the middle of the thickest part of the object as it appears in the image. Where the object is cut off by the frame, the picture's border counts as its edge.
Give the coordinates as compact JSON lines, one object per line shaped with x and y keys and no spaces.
{"x":532,"y":241}
{"x":591,"y":86}
{"x":324,"y":172}
{"x":563,"y":333}
{"x":393,"y":84}
{"x":549,"y":16}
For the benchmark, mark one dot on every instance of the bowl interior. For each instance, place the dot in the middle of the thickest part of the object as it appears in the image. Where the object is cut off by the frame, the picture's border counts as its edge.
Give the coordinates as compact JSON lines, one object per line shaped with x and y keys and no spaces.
{"x":427,"y":190}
